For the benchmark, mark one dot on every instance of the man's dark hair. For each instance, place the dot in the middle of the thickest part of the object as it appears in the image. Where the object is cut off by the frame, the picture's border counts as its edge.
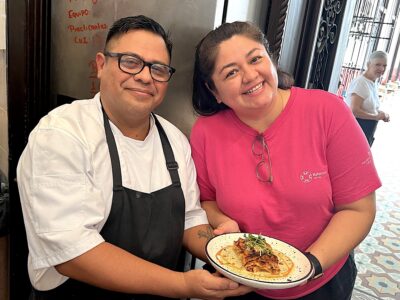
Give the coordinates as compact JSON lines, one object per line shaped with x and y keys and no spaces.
{"x":126,"y":24}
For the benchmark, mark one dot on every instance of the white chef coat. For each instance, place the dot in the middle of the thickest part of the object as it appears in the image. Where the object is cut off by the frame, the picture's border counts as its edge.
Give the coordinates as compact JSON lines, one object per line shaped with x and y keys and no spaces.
{"x":65,"y":183}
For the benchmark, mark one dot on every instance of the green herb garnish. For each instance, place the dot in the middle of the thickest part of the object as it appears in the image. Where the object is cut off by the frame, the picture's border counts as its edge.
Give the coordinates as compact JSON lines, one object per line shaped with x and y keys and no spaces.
{"x":257,"y":243}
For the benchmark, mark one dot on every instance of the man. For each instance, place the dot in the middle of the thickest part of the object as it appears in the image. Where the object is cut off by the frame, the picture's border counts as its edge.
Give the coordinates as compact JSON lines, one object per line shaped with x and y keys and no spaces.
{"x":108,"y":189}
{"x":362,"y":95}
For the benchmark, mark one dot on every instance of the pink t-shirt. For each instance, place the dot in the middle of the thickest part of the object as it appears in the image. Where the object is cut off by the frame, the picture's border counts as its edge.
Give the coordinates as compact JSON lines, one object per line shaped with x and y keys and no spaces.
{"x":320,"y":158}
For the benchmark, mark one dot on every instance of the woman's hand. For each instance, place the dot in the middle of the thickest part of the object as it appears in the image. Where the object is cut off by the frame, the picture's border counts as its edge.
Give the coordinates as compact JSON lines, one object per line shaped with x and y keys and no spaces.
{"x":382,"y":116}
{"x":218,"y":220}
{"x":387,"y":118}
{"x":226,"y":227}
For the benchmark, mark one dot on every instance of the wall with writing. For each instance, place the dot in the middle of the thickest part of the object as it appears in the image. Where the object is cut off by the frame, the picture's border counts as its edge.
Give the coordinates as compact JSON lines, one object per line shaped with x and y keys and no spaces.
{"x":79,"y":29}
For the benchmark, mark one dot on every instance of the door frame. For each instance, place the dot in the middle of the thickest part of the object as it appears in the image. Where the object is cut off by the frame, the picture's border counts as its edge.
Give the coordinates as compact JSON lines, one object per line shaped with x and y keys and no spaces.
{"x":28,"y":62}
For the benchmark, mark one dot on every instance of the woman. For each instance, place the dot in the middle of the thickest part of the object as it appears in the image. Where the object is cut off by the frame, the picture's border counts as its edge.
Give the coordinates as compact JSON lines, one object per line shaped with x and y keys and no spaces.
{"x":363,"y":98}
{"x":285,"y":162}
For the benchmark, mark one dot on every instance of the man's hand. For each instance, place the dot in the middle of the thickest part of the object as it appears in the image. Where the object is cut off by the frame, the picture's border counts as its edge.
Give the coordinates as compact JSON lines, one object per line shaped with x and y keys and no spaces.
{"x":204,"y":285}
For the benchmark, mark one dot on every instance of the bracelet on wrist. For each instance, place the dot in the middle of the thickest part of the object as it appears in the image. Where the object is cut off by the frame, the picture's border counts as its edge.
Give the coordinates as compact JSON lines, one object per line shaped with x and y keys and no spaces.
{"x":316,"y":265}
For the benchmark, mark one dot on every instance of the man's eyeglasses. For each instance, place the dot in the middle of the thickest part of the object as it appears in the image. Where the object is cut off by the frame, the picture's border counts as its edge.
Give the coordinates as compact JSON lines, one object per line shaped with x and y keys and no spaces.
{"x":263,"y":167}
{"x":132,"y":64}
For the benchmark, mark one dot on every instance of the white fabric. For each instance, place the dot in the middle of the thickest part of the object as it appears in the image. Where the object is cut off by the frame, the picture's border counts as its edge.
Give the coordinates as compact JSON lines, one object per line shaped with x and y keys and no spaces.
{"x":65,"y":183}
{"x":366,"y":89}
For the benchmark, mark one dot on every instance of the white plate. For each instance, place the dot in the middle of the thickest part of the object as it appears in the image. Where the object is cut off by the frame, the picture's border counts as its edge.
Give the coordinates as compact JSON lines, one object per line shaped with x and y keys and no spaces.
{"x":300,"y":273}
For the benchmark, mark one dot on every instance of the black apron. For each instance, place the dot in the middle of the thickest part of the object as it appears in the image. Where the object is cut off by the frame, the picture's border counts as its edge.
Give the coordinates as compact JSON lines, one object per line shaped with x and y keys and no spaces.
{"x":149,"y":226}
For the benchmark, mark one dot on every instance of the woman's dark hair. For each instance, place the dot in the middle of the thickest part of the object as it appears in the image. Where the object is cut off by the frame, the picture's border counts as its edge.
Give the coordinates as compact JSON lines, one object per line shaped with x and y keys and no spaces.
{"x":204,"y":102}
{"x":126,"y":24}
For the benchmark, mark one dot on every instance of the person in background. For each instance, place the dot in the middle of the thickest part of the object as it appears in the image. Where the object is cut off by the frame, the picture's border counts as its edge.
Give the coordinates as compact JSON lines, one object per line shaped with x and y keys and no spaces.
{"x":280,"y":161}
{"x":363,"y":98}
{"x":108,"y":189}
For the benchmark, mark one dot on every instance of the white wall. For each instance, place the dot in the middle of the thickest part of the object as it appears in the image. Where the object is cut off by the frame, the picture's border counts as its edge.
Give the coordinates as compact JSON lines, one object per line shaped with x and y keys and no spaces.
{"x":342,"y":45}
{"x":247,"y":10}
{"x":292,"y":34}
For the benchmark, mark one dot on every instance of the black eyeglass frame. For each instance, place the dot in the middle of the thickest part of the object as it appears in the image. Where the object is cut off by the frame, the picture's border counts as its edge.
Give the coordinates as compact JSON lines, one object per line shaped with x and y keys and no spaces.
{"x":145,"y":64}
{"x":261,"y":140}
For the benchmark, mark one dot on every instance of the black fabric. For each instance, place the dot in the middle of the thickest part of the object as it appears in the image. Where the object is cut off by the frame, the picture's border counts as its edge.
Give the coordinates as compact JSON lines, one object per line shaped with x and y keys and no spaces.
{"x":316,"y":265}
{"x":4,"y":206}
{"x":340,"y":287}
{"x":369,"y":128}
{"x":76,"y":290}
{"x":148,"y":225}
{"x":4,"y":213}
{"x":172,"y":165}
{"x":161,"y":223}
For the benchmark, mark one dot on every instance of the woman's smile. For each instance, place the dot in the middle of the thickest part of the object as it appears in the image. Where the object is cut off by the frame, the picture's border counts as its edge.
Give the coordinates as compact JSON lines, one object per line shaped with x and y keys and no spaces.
{"x":255,"y":89}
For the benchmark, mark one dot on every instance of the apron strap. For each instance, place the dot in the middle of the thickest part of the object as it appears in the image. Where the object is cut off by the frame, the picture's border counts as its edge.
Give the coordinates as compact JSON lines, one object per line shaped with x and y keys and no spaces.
{"x":112,"y":147}
{"x":172,"y":165}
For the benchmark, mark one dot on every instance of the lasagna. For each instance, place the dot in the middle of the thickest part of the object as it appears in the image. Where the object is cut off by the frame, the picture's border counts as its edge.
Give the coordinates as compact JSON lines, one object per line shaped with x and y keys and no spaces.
{"x":253,"y":257}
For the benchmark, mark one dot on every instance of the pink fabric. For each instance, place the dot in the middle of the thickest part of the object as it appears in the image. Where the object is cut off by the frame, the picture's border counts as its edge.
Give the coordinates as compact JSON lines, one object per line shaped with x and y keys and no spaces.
{"x":320,"y":158}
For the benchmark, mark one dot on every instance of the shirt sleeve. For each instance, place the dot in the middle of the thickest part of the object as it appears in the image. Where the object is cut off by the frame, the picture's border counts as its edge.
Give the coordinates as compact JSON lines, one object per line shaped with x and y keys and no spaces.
{"x":360,"y":88}
{"x":350,"y":162}
{"x":197,"y":141}
{"x":60,"y":205}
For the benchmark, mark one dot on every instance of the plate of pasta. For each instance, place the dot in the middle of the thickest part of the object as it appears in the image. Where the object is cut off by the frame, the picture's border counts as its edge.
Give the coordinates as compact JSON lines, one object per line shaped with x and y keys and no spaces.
{"x":258,"y":261}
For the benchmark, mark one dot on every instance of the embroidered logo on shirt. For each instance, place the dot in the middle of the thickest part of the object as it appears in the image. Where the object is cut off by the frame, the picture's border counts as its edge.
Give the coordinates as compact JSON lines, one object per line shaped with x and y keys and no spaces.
{"x":308,"y":176}
{"x":368,"y":160}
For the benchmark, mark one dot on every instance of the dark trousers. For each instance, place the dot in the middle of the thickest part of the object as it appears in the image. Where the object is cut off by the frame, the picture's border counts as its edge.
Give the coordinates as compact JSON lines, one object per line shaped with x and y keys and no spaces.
{"x":340,"y":287}
{"x":368,"y":127}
